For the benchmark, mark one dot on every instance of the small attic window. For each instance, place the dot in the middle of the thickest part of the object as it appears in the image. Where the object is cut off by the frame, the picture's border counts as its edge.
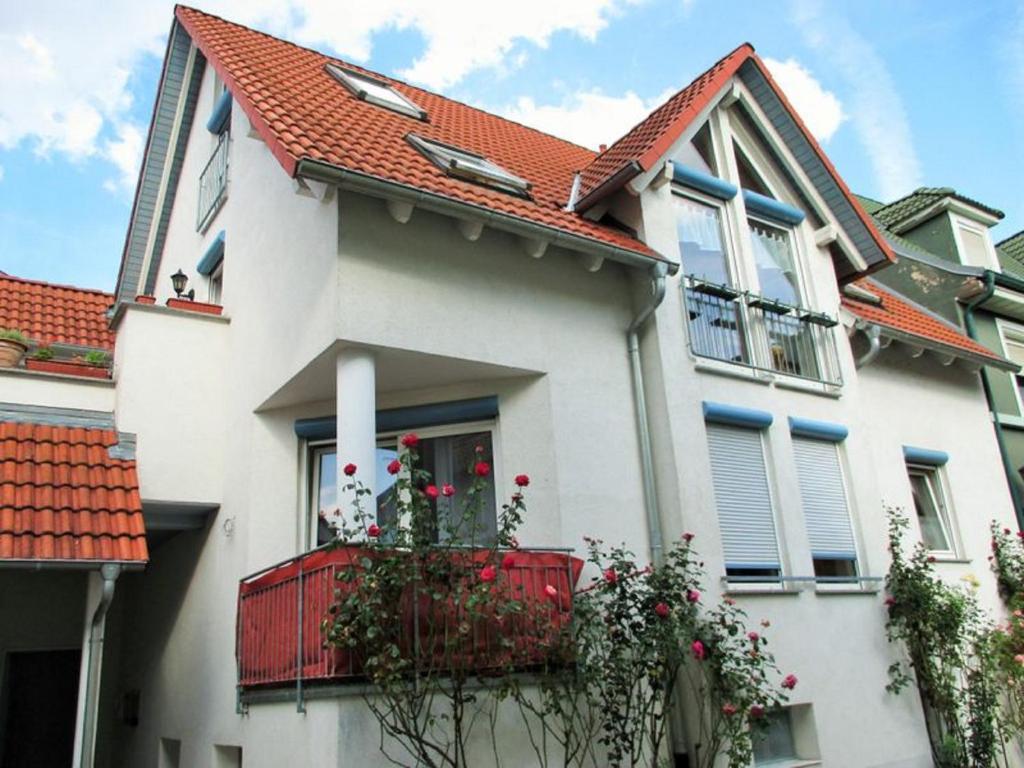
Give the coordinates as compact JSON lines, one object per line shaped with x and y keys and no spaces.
{"x":467,"y":165}
{"x":375,"y":91}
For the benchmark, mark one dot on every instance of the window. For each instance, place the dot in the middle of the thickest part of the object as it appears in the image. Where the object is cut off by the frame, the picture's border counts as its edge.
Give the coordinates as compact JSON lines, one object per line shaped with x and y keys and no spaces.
{"x":1013,"y":346}
{"x":216,"y":285}
{"x":744,"y":504}
{"x":447,"y":453}
{"x":930,"y":505}
{"x":697,"y":153}
{"x":467,"y":165}
{"x":826,"y":511}
{"x":375,"y":91}
{"x":976,"y":248}
{"x":776,"y":745}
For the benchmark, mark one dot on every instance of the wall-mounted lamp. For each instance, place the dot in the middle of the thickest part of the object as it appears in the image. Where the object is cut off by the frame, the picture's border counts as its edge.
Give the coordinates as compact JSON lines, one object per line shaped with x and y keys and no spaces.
{"x":179,"y":280}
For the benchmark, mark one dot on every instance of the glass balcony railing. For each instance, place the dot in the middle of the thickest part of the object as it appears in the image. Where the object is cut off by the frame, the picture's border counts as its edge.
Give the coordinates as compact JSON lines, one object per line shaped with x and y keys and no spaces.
{"x":213,"y":184}
{"x":760,"y":333}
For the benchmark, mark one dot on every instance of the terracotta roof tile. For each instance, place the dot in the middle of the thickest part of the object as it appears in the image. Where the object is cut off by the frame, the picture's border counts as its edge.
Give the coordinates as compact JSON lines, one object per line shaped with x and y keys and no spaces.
{"x":62,"y":497}
{"x":900,"y":314}
{"x":302,"y":112}
{"x":55,"y":314}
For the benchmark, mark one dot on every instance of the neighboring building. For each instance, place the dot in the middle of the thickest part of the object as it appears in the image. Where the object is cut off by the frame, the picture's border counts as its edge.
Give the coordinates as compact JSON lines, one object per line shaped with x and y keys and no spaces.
{"x":675,"y":334}
{"x":950,"y":265}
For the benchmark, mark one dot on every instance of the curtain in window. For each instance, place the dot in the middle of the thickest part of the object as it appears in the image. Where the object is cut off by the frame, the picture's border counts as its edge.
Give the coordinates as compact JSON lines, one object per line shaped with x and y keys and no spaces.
{"x":700,"y":237}
{"x":773,"y":257}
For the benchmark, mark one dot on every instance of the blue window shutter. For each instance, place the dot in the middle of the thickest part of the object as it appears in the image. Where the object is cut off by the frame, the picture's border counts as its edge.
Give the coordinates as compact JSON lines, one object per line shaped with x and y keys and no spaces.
{"x":926,"y":456}
{"x":722,"y":413}
{"x":702,"y":182}
{"x":770,"y":208}
{"x":220,"y":118}
{"x":820,"y":430}
{"x":412,"y":417}
{"x":213,"y":257}
{"x":742,"y":498}
{"x":826,"y":512}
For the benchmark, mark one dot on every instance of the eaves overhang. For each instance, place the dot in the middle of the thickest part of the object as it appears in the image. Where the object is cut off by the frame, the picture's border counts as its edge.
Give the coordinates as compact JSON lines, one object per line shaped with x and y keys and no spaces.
{"x":943,"y":351}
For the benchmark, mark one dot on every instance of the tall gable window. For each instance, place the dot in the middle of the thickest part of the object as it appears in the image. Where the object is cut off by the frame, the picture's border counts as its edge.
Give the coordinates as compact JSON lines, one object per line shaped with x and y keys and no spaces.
{"x":375,"y":91}
{"x":742,"y":241}
{"x":471,"y":166}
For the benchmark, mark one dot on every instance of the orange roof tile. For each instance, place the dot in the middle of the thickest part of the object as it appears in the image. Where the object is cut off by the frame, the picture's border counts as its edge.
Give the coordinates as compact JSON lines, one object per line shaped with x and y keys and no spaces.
{"x":62,"y":496}
{"x":303,"y":113}
{"x":55,"y":314}
{"x":900,"y":314}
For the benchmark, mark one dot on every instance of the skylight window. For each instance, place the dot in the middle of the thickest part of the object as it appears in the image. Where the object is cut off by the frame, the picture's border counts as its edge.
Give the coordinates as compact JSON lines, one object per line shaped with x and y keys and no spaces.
{"x":467,"y":165}
{"x":375,"y":92}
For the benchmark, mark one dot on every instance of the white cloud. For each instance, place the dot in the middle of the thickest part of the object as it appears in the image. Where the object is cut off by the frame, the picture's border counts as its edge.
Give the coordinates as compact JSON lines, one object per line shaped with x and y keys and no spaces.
{"x":68,"y":67}
{"x":820,"y":110}
{"x":875,"y":107}
{"x":589,"y":118}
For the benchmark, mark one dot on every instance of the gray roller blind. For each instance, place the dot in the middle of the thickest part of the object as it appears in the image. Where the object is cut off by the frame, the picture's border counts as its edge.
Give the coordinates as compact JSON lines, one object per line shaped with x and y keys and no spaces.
{"x":742,"y":497}
{"x":826,"y":512}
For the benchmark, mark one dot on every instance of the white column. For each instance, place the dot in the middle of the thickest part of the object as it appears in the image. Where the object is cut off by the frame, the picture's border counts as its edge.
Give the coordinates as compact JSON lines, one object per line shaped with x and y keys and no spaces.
{"x":356,"y":420}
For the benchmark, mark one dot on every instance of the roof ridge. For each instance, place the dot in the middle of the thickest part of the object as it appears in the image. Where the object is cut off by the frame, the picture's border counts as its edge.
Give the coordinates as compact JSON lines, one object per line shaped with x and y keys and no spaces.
{"x":62,"y":286}
{"x":1005,"y":240}
{"x":392,"y":78}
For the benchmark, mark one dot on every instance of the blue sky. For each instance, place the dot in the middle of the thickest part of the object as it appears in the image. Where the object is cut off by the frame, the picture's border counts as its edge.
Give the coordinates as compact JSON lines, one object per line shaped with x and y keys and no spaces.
{"x":901,"y":94}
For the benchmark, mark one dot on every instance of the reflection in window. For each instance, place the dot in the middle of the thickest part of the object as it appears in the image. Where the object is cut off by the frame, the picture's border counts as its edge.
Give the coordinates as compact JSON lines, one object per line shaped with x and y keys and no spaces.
{"x":775,"y":745}
{"x":700,"y":241}
{"x":776,"y":268}
{"x":930,"y":508}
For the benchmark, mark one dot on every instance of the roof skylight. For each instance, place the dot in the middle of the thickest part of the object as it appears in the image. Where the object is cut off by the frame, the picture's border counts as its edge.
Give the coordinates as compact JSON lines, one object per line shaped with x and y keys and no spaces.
{"x":376,"y":92}
{"x":468,"y":165}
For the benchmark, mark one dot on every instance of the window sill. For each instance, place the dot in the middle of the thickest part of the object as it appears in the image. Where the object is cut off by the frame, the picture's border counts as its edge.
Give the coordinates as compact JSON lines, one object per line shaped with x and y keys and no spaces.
{"x":732,"y":588}
{"x":951,"y":560}
{"x":831,"y":590}
{"x":767,"y":378}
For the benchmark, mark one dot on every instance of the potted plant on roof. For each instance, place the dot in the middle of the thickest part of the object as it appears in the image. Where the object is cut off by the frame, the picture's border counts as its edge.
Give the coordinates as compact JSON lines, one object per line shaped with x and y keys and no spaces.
{"x":94,"y":363}
{"x":13,"y":346}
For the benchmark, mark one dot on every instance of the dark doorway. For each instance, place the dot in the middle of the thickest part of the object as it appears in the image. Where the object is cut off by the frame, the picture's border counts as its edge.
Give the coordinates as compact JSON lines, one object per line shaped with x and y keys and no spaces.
{"x":40,"y":696}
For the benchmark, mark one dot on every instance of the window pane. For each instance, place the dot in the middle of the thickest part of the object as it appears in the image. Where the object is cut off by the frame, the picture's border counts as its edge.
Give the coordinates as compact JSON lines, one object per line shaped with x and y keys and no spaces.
{"x":451,"y":460}
{"x":776,"y":270}
{"x":776,"y":743}
{"x":929,"y":518}
{"x":700,"y":241}
{"x":326,"y":494}
{"x":697,"y":154}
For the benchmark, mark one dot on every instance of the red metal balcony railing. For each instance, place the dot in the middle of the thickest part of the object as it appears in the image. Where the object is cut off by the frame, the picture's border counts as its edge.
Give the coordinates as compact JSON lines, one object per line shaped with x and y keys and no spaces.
{"x":280,"y":609}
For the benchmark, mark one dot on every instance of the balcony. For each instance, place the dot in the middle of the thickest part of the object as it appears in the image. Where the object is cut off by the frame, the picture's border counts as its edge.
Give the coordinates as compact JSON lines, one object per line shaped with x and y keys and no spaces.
{"x":213,"y":184}
{"x":280,"y":642}
{"x":760,"y":334}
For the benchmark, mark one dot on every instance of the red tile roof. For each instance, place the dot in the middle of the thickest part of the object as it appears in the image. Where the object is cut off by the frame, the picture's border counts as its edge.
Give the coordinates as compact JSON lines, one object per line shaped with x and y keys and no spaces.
{"x":303,"y":113}
{"x":55,"y":314}
{"x":900,"y":314}
{"x":62,"y":497}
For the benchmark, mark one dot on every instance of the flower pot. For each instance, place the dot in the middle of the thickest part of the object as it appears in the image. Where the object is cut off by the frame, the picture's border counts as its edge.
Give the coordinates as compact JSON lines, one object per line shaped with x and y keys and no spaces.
{"x":195,"y":306}
{"x":11,"y":352}
{"x":68,"y":368}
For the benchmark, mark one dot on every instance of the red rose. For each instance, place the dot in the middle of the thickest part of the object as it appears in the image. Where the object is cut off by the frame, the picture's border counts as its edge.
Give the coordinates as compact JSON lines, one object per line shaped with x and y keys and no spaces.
{"x":448,"y":489}
{"x":508,"y":562}
{"x":488,"y":573}
{"x":728,"y":709}
{"x":394,"y":467}
{"x":789,"y":682}
{"x":551,"y":593}
{"x":1020,"y":535}
{"x":516,"y":498}
{"x":693,"y":596}
{"x":350,"y":469}
{"x":611,"y":576}
{"x":756,"y":710}
{"x":931,"y":558}
{"x":753,"y":637}
{"x":687,"y":537}
{"x":373,"y":531}
{"x":890,"y":602}
{"x":1006,"y":531}
{"x":482,"y":469}
{"x":411,"y":440}
{"x":522,"y":480}
{"x":698,"y":650}
{"x":431,"y":491}
{"x":662,"y":610}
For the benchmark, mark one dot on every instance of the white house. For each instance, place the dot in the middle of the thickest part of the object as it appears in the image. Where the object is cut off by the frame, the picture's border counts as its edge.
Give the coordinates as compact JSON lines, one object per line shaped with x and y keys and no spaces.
{"x":663,"y":335}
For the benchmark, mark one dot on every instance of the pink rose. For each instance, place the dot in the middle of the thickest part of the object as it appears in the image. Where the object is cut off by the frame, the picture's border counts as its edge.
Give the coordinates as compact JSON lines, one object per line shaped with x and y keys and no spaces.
{"x":394,"y":467}
{"x":373,"y":531}
{"x":1019,"y":658}
{"x":687,"y":537}
{"x":728,"y":601}
{"x":728,"y":709}
{"x":411,"y":440}
{"x":611,"y":576}
{"x":756,"y":711}
{"x":753,"y":637}
{"x":789,"y":682}
{"x":698,"y":650}
{"x":522,"y":480}
{"x":448,"y":490}
{"x":551,"y":593}
{"x":350,"y":469}
{"x":482,"y":469}
{"x":662,"y":610}
{"x":431,"y":491}
{"x":488,"y":573}
{"x":508,"y":562}
{"x":693,"y":596}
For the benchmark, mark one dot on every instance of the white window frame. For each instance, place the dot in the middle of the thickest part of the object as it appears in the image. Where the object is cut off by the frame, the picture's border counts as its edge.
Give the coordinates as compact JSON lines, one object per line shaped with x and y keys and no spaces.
{"x":935,"y":481}
{"x":731,"y":263}
{"x":215,"y":285}
{"x":463,"y":164}
{"x":962,"y":223}
{"x":354,"y":81}
{"x":1014,"y":334}
{"x":390,"y":439}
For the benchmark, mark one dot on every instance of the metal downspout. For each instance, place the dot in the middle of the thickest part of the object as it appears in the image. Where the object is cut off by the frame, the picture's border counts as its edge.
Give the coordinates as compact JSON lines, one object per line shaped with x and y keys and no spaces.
{"x":874,"y":336}
{"x":990,"y":289}
{"x":654,"y":533}
{"x":94,"y":661}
